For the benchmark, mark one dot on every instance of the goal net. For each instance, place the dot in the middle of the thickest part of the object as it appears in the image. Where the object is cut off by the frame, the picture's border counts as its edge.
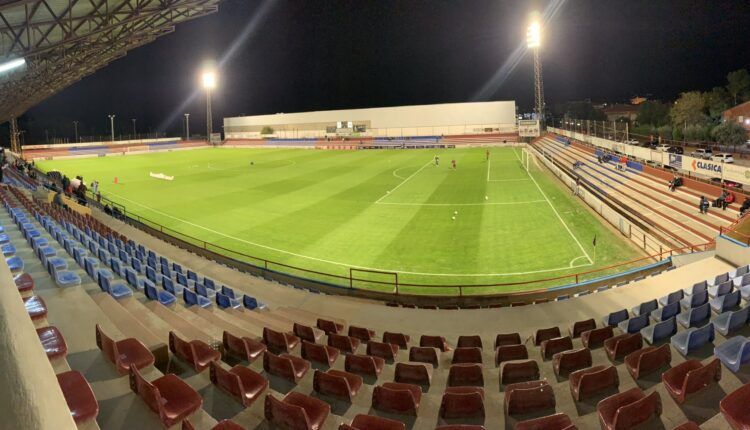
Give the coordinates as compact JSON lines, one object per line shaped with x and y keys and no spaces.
{"x":525,"y":159}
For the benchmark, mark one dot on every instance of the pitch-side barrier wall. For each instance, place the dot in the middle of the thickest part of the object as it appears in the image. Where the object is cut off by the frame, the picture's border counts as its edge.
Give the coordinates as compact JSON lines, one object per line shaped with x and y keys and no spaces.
{"x":682,"y":163}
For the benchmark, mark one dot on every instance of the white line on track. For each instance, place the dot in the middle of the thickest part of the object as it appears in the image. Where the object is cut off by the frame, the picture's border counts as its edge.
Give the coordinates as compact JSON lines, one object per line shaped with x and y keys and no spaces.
{"x":555,"y":211}
{"x":337,"y":263}
{"x":403,"y":182}
{"x":463,"y":204}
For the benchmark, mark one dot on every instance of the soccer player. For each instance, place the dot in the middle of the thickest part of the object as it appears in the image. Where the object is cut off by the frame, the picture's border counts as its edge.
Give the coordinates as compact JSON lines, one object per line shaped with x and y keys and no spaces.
{"x":488,"y":154}
{"x":437,"y":160}
{"x":453,"y":162}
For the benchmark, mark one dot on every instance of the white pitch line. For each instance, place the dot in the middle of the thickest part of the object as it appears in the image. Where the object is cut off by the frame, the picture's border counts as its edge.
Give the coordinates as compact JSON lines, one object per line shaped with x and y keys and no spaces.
{"x":555,"y":211}
{"x":403,"y":182}
{"x":337,"y":263}
{"x":462,"y":204}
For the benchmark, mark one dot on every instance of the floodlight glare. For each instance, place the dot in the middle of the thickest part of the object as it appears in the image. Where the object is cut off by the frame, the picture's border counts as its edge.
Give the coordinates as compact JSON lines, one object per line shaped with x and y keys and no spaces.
{"x":209,"y":80}
{"x":534,"y":35}
{"x":12,"y":64}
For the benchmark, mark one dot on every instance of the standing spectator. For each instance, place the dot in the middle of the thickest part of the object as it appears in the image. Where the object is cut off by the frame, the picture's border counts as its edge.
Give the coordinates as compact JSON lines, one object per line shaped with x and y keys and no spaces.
{"x":95,"y":186}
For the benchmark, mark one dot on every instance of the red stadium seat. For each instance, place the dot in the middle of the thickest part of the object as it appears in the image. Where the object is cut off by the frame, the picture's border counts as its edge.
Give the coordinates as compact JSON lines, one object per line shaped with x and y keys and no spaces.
{"x":53,"y":342}
{"x":437,"y":342}
{"x":461,"y":375}
{"x":424,"y":354}
{"x":387,"y":351}
{"x":296,"y":412}
{"x":240,"y":382}
{"x":413,"y":373}
{"x":467,"y":355}
{"x":399,"y":339}
{"x":569,"y":361}
{"x":369,"y":422}
{"x":510,"y":352}
{"x":337,"y":383}
{"x":79,"y":396}
{"x":505,"y":339}
{"x":734,"y":408}
{"x":586,"y":382}
{"x":545,"y":334}
{"x":469,"y":342}
{"x":596,"y":337}
{"x":513,"y":372}
{"x":285,"y":366}
{"x":196,"y":352}
{"x":581,"y":326}
{"x":646,"y":360}
{"x":24,"y":282}
{"x":527,"y":397}
{"x":622,"y":345}
{"x":244,"y":347}
{"x":168,"y":396}
{"x":690,"y":377}
{"x":125,"y":353}
{"x":361,"y":333}
{"x":330,"y":327}
{"x":278,"y":341}
{"x":551,"y":347}
{"x":343,"y":343}
{"x":462,"y":402}
{"x":628,"y":409}
{"x":397,"y":398}
{"x":35,"y":307}
{"x":363,"y":364}
{"x":307,"y":333}
{"x":551,"y":422}
{"x":323,"y":354}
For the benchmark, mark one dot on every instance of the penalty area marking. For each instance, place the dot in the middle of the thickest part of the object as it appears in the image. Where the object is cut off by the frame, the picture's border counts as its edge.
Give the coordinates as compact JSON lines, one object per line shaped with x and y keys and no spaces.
{"x":555,"y":211}
{"x":502,"y":180}
{"x":462,"y":204}
{"x":337,"y":263}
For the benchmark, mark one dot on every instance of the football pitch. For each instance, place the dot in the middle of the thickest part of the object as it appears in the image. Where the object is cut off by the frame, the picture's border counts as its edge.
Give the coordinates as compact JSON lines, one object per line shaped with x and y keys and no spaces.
{"x":485,"y":222}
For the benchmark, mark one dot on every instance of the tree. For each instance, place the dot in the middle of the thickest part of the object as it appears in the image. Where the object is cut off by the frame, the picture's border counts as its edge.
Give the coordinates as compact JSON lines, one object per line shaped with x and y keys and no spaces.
{"x":266,"y":130}
{"x":717,"y":101}
{"x":654,"y":113}
{"x":738,"y":85}
{"x":729,"y":133}
{"x":688,"y":109}
{"x":580,"y":110}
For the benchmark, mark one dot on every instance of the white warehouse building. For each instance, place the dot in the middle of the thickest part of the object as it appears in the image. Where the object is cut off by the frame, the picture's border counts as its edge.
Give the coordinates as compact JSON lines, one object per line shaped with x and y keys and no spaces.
{"x":422,"y":120}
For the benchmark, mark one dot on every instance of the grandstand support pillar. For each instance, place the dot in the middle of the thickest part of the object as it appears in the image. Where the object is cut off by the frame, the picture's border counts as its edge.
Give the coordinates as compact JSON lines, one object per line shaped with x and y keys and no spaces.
{"x":14,"y":134}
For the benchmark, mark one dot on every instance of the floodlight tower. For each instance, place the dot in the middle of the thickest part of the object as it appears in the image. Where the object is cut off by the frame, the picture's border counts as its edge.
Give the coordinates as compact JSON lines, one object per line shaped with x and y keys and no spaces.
{"x":209,"y":83}
{"x":534,"y":42}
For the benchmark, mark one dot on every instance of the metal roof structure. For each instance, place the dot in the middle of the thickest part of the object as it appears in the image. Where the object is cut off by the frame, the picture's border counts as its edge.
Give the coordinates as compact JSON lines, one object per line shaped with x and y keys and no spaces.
{"x":66,"y":40}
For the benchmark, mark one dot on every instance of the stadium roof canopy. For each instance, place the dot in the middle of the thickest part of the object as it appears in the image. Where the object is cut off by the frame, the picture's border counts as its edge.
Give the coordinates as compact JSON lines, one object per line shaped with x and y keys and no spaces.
{"x":63,"y":41}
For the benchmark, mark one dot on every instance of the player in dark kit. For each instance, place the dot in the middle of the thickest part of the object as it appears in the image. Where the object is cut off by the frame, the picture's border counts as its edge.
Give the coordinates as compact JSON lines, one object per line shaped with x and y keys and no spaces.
{"x":488,"y":155}
{"x":453,"y":162}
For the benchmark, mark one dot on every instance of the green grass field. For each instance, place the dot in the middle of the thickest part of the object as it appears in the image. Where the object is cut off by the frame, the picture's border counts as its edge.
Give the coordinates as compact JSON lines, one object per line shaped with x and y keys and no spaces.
{"x":390,"y":210}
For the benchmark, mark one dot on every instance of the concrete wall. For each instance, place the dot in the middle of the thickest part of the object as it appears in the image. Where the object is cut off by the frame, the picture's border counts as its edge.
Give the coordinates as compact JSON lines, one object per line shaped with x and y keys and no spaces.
{"x":31,"y":397}
{"x":445,"y":119}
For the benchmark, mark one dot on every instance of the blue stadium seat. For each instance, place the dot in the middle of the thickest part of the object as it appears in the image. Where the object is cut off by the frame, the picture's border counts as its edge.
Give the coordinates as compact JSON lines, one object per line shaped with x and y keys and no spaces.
{"x":4,"y":238}
{"x":696,"y":288}
{"x":693,"y":338}
{"x":134,"y":280}
{"x":616,"y":317}
{"x":729,"y":321}
{"x":181,"y":279}
{"x":720,"y":289}
{"x":170,"y":286}
{"x":224,"y":301}
{"x":116,"y":290}
{"x":694,"y":316}
{"x":634,"y":325}
{"x":116,"y":268}
{"x":740,"y":271}
{"x":193,"y":299}
{"x":164,"y":297}
{"x":136,"y":264}
{"x":694,"y":300}
{"x":209,"y":283}
{"x":745,"y":292}
{"x":665,"y":313}
{"x":176,"y":268}
{"x":645,"y":307}
{"x":734,"y":352}
{"x":15,"y":263}
{"x":741,"y":281}
{"x":725,"y":303}
{"x":8,"y":249}
{"x":675,"y":296}
{"x":719,"y":279}
{"x":228,"y":292}
{"x":252,"y":303}
{"x":659,"y":331}
{"x":64,"y":278}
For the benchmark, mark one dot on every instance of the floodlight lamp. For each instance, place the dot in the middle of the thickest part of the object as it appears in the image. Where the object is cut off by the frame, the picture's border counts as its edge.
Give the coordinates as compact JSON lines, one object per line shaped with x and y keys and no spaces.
{"x":12,"y":64}
{"x":534,"y":35}
{"x":209,"y":80}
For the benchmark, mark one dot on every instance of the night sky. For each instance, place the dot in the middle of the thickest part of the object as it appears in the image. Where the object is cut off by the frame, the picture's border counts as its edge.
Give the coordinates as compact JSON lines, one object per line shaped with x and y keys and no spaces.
{"x":294,"y":56}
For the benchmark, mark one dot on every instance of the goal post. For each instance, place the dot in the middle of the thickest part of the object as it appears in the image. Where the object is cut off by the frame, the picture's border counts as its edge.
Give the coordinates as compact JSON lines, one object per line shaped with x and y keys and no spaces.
{"x":525,"y":157}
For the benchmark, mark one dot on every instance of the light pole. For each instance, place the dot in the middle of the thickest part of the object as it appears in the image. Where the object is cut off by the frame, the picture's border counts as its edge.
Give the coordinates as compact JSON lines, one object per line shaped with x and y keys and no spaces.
{"x":75,"y":127}
{"x":209,"y":83}
{"x":112,"y":126}
{"x":187,"y":126}
{"x":134,"y":134}
{"x":534,"y":42}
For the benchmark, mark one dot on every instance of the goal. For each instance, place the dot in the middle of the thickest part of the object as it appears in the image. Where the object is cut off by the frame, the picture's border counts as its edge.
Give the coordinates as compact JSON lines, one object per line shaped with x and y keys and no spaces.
{"x":525,"y":158}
